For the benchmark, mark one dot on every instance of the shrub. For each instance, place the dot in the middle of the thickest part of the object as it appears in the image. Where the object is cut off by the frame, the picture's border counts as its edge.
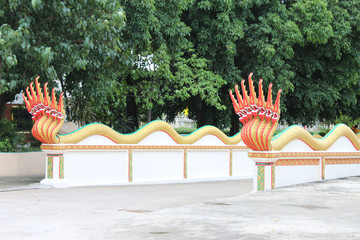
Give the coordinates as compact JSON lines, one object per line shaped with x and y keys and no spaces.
{"x":5,"y":145}
{"x":9,"y":139}
{"x":184,"y":130}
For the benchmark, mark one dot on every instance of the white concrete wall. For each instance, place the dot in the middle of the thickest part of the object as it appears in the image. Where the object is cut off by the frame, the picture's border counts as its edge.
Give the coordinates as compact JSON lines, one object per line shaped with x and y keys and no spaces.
{"x":95,"y":168}
{"x":208,"y":164}
{"x":158,"y":158}
{"x":153,"y":166}
{"x":298,"y":174}
{"x":333,"y":171}
{"x":242,"y":165}
{"x":86,"y":167}
{"x":22,"y":164}
{"x":292,"y":175}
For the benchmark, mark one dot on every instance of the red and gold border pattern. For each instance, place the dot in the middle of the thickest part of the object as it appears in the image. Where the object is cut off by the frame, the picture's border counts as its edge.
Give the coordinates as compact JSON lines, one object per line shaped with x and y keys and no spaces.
{"x":292,"y":162}
{"x":57,"y":147}
{"x":342,"y":161}
{"x":278,"y":155}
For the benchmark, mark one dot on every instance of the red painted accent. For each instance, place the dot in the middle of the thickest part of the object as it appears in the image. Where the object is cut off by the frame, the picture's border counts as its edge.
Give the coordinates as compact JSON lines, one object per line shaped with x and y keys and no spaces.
{"x":262,"y":136}
{"x":240,"y":100}
{"x":257,"y":138}
{"x":249,"y":134}
{"x":48,"y":140}
{"x":184,"y":164}
{"x":234,"y":102}
{"x":267,"y":138}
{"x":306,"y":143}
{"x":230,"y":163}
{"x":46,"y":99}
{"x":352,"y":143}
{"x":129,"y":168}
{"x":52,"y":140}
{"x":35,"y":131}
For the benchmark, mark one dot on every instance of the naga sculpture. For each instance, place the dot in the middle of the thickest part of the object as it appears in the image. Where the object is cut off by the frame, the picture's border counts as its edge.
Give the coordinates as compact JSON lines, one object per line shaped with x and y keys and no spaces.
{"x":259,"y":118}
{"x":49,"y":116}
{"x":47,"y":113}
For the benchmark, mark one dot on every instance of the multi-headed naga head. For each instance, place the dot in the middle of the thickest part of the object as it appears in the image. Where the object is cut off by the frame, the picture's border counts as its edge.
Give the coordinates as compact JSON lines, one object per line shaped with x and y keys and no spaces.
{"x":259,"y":117}
{"x":47,"y":113}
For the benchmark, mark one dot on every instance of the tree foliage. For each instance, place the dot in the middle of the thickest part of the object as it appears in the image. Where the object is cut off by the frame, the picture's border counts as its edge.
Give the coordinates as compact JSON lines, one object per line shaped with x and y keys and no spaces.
{"x":76,"y":42}
{"x":325,"y":62}
{"x":128,"y":61}
{"x":163,"y":69}
{"x":309,"y":48}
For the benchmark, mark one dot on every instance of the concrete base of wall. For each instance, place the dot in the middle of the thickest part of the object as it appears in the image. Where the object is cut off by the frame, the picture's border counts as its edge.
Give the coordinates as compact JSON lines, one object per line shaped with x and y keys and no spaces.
{"x":22,"y":164}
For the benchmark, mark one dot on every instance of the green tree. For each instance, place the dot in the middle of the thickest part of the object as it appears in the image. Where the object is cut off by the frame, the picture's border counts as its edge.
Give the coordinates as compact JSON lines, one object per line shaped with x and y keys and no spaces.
{"x":239,"y":37}
{"x":163,"y":69}
{"x":309,"y":48}
{"x":326,"y":61}
{"x":76,"y":42}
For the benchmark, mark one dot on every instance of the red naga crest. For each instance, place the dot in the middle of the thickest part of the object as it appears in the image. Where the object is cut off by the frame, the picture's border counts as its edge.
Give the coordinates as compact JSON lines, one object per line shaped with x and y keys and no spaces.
{"x":259,"y":118}
{"x":47,"y":113}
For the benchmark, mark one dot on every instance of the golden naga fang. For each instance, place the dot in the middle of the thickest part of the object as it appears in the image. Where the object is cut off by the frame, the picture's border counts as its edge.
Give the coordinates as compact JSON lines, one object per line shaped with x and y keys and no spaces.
{"x":259,"y":118}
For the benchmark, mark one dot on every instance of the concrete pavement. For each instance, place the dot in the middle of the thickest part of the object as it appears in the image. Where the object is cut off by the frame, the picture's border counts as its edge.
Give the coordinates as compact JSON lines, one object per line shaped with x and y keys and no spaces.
{"x":207,"y":210}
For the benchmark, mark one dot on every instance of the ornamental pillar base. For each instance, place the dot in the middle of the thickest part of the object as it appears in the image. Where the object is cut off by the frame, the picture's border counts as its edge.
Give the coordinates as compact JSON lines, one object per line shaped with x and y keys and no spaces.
{"x":55,"y":174}
{"x":264,"y":176}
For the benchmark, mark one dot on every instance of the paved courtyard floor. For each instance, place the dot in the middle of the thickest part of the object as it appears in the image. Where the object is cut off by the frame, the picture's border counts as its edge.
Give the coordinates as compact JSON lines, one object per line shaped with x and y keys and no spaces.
{"x":207,"y":210}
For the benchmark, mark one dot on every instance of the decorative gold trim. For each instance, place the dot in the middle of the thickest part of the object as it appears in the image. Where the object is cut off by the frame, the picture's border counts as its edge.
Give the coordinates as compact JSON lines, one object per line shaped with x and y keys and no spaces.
{"x":293,"y":162}
{"x":263,"y":155}
{"x":61,"y":167}
{"x":272,"y":177}
{"x":331,"y":161}
{"x":260,"y":178}
{"x":279,"y":155}
{"x":58,"y":147}
{"x":50,"y":167}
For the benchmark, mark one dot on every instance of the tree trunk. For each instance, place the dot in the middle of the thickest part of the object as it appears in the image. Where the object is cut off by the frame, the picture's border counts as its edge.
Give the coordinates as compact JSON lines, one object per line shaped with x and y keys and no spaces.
{"x":200,"y":118}
{"x":2,"y":106}
{"x":131,"y":111}
{"x":67,"y":108}
{"x":131,"y":108}
{"x":149,"y":116}
{"x":235,"y":126}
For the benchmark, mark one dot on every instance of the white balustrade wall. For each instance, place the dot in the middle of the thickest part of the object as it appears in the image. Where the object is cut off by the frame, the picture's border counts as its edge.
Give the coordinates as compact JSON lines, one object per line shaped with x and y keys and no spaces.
{"x":156,"y":159}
